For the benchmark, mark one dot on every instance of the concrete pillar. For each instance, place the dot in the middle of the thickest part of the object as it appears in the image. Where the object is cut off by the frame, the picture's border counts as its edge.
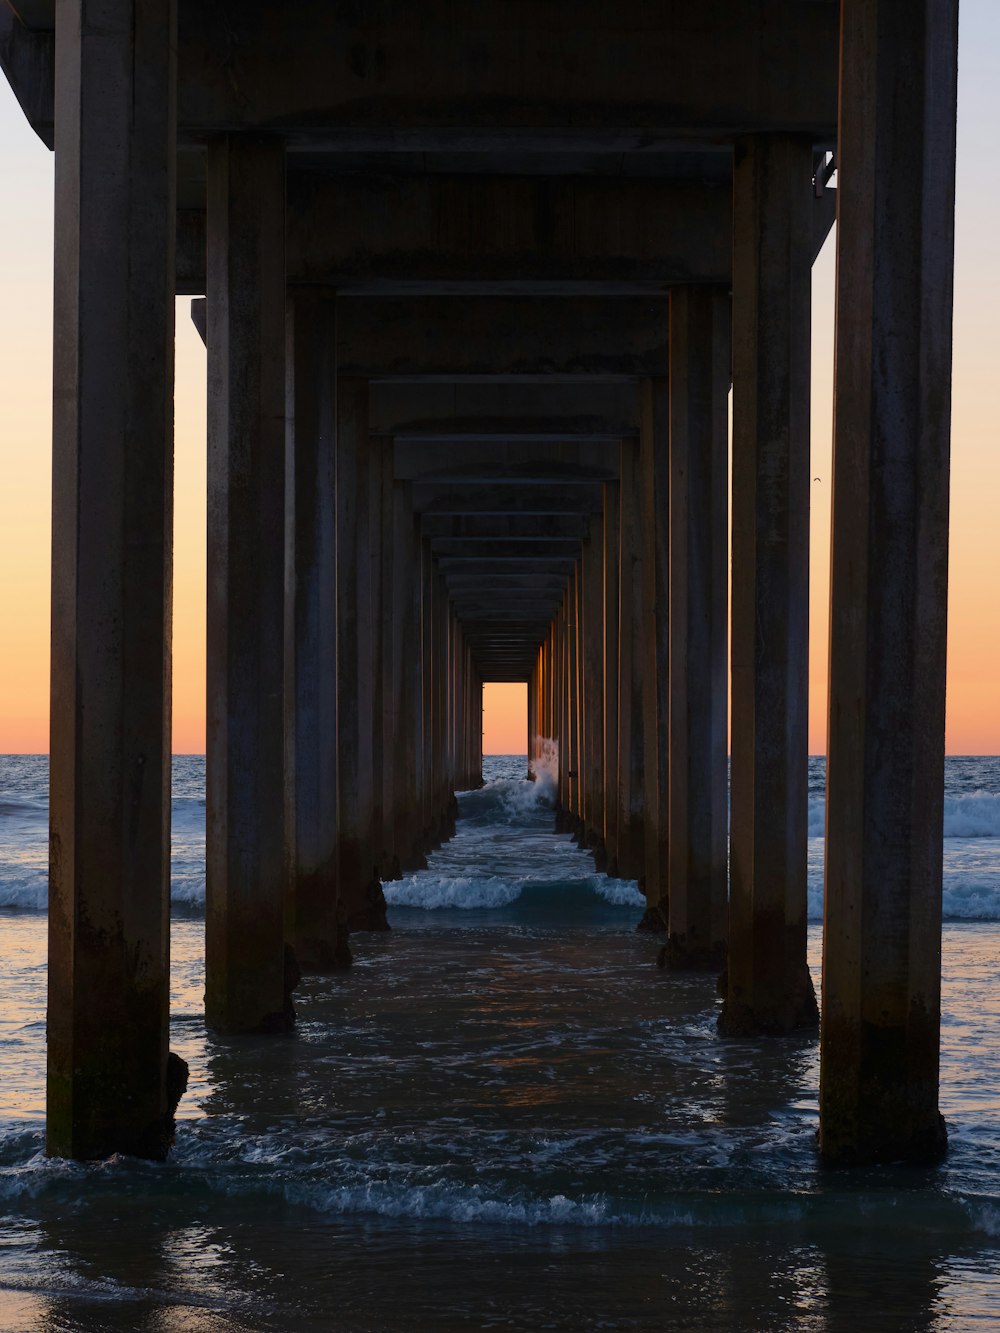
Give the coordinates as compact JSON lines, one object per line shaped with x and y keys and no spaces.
{"x":428,"y":834}
{"x":111,"y":581}
{"x":533,"y":691}
{"x":561,"y":709}
{"x":374,"y":633}
{"x":359,"y":884}
{"x":573,"y":716}
{"x":390,"y":736}
{"x":409,"y":586}
{"x":699,"y":531}
{"x":769,"y":988}
{"x":610,"y":576}
{"x":444,"y":792}
{"x":631,"y":638}
{"x":406,"y":678}
{"x":246,"y":988}
{"x":654,"y":467}
{"x":592,"y":608}
{"x":318,"y":939}
{"x":882,"y":937}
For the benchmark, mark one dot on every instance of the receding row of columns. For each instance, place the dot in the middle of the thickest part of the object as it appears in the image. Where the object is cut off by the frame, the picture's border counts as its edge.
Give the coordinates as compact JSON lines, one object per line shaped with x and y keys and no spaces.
{"x":343,"y":699}
{"x":343,"y":703}
{"x":629,"y":687}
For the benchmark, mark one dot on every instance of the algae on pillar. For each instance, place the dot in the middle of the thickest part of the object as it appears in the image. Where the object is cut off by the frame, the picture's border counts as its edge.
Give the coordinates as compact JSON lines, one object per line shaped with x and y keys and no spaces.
{"x":885,"y":780}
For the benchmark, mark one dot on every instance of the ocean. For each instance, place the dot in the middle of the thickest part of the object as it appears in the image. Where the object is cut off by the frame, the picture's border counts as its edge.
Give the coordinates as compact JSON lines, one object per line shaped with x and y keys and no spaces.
{"x":503,"y":1117}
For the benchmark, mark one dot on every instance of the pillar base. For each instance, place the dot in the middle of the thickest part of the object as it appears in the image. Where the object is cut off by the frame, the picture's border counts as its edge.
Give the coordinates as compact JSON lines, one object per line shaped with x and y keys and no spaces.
{"x":917,"y":1145}
{"x":154,"y":1144}
{"x":370,"y":913}
{"x":879,"y":1092}
{"x":653,"y":921}
{"x":679,"y":956}
{"x":794,"y":1011}
{"x":284,"y":1019}
{"x":326,"y":956}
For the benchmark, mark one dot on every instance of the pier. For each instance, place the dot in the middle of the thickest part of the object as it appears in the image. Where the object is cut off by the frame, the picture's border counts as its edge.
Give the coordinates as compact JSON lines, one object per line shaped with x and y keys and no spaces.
{"x":476,"y":284}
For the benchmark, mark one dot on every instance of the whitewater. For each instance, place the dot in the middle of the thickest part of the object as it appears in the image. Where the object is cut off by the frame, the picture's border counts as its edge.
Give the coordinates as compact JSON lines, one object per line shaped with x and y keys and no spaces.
{"x":504,"y":1116}
{"x":467,"y":867}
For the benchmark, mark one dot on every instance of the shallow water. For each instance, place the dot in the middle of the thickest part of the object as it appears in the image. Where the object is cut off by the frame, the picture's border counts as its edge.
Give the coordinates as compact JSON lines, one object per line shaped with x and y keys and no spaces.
{"x":504,"y":1117}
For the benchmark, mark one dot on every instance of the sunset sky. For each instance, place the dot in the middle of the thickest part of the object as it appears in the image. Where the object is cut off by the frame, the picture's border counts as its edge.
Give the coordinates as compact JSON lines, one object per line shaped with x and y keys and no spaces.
{"x":25,"y":423}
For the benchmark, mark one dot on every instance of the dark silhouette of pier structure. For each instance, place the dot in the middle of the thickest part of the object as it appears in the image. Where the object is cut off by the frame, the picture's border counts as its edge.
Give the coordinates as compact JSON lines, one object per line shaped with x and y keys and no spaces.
{"x":475,"y":281}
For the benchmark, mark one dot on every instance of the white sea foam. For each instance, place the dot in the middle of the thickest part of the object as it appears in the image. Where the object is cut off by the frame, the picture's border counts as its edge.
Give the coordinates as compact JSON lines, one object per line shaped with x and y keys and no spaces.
{"x":545,"y":768}
{"x":445,"y":1202}
{"x":973,"y":814}
{"x":468,"y":892}
{"x":620,"y":892}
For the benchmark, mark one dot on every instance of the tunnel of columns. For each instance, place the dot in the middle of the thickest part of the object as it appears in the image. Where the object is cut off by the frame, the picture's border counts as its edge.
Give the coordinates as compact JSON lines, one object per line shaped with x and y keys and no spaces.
{"x":475,"y":284}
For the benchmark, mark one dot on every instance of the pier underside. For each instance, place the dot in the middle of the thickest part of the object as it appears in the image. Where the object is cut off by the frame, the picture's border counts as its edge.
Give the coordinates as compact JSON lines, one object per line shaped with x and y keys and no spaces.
{"x":476,"y":283}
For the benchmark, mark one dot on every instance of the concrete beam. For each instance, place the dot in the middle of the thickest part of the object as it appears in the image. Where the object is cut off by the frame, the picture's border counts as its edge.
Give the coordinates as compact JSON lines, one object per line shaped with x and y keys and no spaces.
{"x":445,"y":337}
{"x":441,"y":338}
{"x":555,"y":461}
{"x":388,"y":233}
{"x":477,"y":565}
{"x":395,"y":235}
{"x":500,"y":550}
{"x":458,"y":583}
{"x":505,"y":527}
{"x":430,"y":74}
{"x":504,"y":411}
{"x":27,"y":58}
{"x":506,"y":498}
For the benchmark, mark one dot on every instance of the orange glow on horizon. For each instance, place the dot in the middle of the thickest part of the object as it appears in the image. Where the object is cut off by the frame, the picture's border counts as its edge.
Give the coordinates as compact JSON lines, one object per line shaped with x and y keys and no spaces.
{"x":505,"y":718}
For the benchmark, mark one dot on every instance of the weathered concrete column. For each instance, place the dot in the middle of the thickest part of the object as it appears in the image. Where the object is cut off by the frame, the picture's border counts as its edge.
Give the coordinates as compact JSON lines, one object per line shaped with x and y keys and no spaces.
{"x":408,"y":590}
{"x":609,"y":738}
{"x":882,"y":938}
{"x":444,"y":792}
{"x":246,"y":987}
{"x":317,"y":937}
{"x":699,"y":530}
{"x":769,"y":988}
{"x":390,"y":734}
{"x":405,"y":688}
{"x":428,"y":834}
{"x":654,"y":468}
{"x":573,"y":698}
{"x":533,"y":692}
{"x":373,"y":632}
{"x":631,"y":638}
{"x":111,"y":581}
{"x":562,"y":708}
{"x":592,"y":636}
{"x":359,"y":884}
